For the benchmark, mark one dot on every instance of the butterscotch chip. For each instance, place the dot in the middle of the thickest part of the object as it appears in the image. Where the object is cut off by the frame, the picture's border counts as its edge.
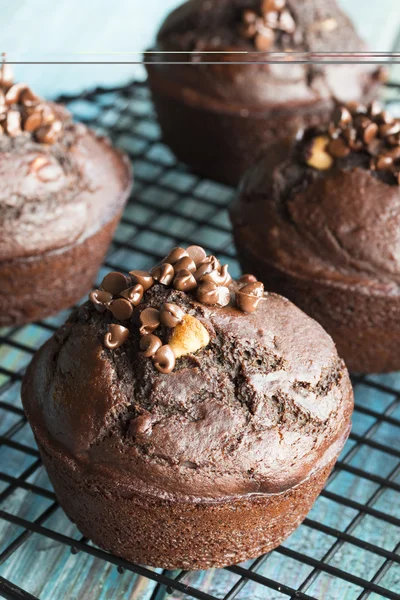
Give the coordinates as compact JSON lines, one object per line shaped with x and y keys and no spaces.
{"x":189,"y":336}
{"x":318,"y":157}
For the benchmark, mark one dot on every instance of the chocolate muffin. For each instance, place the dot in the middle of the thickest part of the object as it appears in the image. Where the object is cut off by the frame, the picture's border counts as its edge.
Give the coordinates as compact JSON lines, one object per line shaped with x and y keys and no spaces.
{"x":186,"y":420}
{"x":218,"y":111}
{"x":322,"y":227}
{"x":62,"y":192}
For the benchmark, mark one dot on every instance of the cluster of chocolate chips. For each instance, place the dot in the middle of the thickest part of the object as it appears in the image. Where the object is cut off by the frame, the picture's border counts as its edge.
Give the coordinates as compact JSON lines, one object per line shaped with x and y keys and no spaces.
{"x":358,"y":128}
{"x":21,"y":111}
{"x":188,"y":270}
{"x":262,"y":27}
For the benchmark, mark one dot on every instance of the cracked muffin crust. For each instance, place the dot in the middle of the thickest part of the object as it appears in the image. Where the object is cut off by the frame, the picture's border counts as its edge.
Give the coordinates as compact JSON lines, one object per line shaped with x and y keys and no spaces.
{"x":217,"y":117}
{"x":62,"y":192}
{"x":318,"y":221}
{"x":213,"y":462}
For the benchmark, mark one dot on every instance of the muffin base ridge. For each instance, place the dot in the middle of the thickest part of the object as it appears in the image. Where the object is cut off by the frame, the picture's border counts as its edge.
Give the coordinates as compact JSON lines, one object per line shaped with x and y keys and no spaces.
{"x":52,"y":281}
{"x":181,"y":535}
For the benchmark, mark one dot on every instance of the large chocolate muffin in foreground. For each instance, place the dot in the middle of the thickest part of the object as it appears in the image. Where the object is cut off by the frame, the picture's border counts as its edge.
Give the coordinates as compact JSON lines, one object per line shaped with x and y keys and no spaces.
{"x":217,"y":117}
{"x":322,"y":227}
{"x":185,"y":420}
{"x":62,"y":191}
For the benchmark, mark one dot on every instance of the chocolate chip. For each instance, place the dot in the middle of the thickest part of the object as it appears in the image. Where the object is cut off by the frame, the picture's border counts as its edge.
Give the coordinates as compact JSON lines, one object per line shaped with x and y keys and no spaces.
{"x":341,"y":116}
{"x":149,"y":344}
{"x":6,"y":75}
{"x":13,"y":123}
{"x":384,"y":117}
{"x":218,"y":277}
{"x":134,"y":294}
{"x":171,"y":314}
{"x":247,"y":302}
{"x":264,"y":39}
{"x":383,"y":163}
{"x":269,"y":5}
{"x":197,"y":254}
{"x":14,"y":93}
{"x":374,"y":148}
{"x":114,"y":283}
{"x":356,"y":108}
{"x":393,"y":153}
{"x":211,"y":294}
{"x":389,"y":129}
{"x":99,"y":299}
{"x":142,"y":277}
{"x":286,"y":22}
{"x":116,"y":336}
{"x":375,"y":108}
{"x":203,"y":270}
{"x":184,"y":281}
{"x":175,"y":254}
{"x":150,"y":320}
{"x":393,"y":140}
{"x":212,"y":260}
{"x":49,"y":134}
{"x":254,"y":289}
{"x":370,"y":132}
{"x":247,"y":278}
{"x":164,"y":273}
{"x":185,"y":263}
{"x":164,"y":359}
{"x":121,"y":308}
{"x":33,"y":121}
{"x":28,"y":98}
{"x":338,"y":148}
{"x":249,"y":17}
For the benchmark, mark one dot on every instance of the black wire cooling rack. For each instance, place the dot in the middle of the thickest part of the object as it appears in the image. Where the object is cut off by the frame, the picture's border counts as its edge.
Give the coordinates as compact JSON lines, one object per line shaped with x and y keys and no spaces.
{"x":348,"y":546}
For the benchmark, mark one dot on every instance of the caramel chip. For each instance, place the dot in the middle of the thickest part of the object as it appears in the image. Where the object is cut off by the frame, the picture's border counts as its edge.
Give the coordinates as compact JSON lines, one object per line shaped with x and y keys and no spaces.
{"x":188,"y":337}
{"x":318,"y":157}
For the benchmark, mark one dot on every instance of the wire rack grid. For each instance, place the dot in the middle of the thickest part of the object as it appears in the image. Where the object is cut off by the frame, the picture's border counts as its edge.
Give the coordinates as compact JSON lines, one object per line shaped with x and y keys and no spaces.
{"x":349,"y":545}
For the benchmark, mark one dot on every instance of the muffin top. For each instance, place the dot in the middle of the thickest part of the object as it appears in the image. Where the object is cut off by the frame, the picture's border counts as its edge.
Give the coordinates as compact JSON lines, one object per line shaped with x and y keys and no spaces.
{"x":182,"y":383}
{"x":328,"y":206}
{"x":56,"y":176}
{"x":251,"y":26}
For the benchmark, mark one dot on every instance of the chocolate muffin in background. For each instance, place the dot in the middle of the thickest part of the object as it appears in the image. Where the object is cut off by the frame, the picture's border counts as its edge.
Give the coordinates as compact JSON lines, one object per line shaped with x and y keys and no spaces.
{"x":62,"y":193}
{"x":186,"y":420}
{"x":217,"y":117}
{"x":322,"y":227}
